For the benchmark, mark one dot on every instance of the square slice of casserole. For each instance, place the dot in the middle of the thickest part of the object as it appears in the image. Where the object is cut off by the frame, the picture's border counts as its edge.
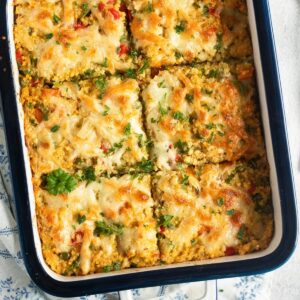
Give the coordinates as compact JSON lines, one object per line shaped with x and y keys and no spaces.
{"x":93,"y":123}
{"x":173,"y":32}
{"x":104,"y":225}
{"x":203,"y":113}
{"x":57,"y":40}
{"x":221,"y":210}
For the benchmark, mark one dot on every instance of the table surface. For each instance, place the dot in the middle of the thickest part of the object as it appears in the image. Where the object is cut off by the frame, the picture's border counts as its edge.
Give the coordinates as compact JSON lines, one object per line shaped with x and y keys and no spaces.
{"x":279,"y":284}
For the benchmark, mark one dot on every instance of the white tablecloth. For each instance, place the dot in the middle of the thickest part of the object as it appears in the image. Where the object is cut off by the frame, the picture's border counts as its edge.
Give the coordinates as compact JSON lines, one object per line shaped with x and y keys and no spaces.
{"x":283,"y":283}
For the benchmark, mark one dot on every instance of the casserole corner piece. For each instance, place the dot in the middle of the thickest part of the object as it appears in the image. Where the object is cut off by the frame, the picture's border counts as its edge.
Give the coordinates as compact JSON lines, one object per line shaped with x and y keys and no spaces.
{"x":274,"y":130}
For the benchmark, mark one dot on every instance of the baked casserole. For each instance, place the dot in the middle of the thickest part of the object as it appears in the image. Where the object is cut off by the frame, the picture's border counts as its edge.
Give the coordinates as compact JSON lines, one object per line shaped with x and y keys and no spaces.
{"x":143,"y":131}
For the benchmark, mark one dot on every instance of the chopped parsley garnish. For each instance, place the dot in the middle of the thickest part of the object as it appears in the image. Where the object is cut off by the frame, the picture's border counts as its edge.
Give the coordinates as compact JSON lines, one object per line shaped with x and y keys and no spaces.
{"x":133,"y":53}
{"x":130,"y":73}
{"x":240,"y":86}
{"x":189,"y":98}
{"x":101,"y":85}
{"x":211,"y":138}
{"x":178,"y":116}
{"x":210,"y":126}
{"x":206,"y":92}
{"x":236,"y":170}
{"x":213,"y":74}
{"x":83,"y":48}
{"x":181,"y":146}
{"x":105,"y":63}
{"x":145,"y":66}
{"x":241,"y":233}
{"x":127,"y":129}
{"x":178,"y":55}
{"x":59,"y":182}
{"x":75,"y":264}
{"x":220,"y":201}
{"x":54,"y":128}
{"x":219,"y":44}
{"x":88,"y":174}
{"x":205,"y":10}
{"x":165,"y":221}
{"x":106,"y":110}
{"x":180,"y":27}
{"x":85,"y":10}
{"x":88,"y":73}
{"x":81,"y":219}
{"x":163,"y":111}
{"x":230,"y":212}
{"x":56,"y":19}
{"x":115,"y":266}
{"x":185,"y":180}
{"x":115,"y":147}
{"x":145,"y":166}
{"x":48,"y":36}
{"x":64,"y":255}
{"x":149,"y":8}
{"x":103,"y":228}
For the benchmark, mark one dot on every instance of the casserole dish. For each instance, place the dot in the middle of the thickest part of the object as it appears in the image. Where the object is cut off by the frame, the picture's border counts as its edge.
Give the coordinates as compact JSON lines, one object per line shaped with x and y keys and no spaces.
{"x":282,"y":186}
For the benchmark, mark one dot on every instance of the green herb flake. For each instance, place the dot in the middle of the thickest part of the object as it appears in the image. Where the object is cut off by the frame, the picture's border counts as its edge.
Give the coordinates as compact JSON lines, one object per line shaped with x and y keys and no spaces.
{"x":106,"y":110}
{"x":149,"y":8}
{"x":178,"y":55}
{"x":206,"y":92}
{"x":103,"y":228}
{"x":165,"y":221}
{"x":59,"y":182}
{"x":185,"y":180}
{"x":145,"y":166}
{"x":241,"y":233}
{"x":236,"y":170}
{"x":101,"y":85}
{"x":133,"y":53}
{"x":130,"y":73}
{"x":180,"y":27}
{"x":219,"y":44}
{"x":181,"y":146}
{"x":127,"y":129}
{"x":205,"y":10}
{"x":54,"y":128}
{"x":178,"y":116}
{"x":89,"y":174}
{"x":189,"y":98}
{"x":213,"y":74}
{"x":48,"y":36}
{"x":81,"y":219}
{"x":64,"y":255}
{"x":105,"y":63}
{"x":220,"y":201}
{"x":210,"y":126}
{"x":56,"y":19}
{"x":241,"y":87}
{"x":115,"y":147}
{"x":145,"y":66}
{"x":115,"y":266}
{"x":85,"y":10}
{"x":163,"y":111}
{"x":230,"y":212}
{"x":83,"y":48}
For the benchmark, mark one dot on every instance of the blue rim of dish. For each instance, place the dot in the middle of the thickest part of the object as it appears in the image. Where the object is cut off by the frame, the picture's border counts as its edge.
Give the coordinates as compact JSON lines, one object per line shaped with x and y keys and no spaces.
{"x":172,"y":275}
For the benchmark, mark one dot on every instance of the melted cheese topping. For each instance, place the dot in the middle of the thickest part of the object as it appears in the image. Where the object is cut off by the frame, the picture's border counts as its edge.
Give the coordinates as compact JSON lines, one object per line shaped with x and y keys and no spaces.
{"x":170,"y":32}
{"x":205,"y":112}
{"x":71,"y":123}
{"x":68,"y":39}
{"x":123,"y":201}
{"x":212,"y":215}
